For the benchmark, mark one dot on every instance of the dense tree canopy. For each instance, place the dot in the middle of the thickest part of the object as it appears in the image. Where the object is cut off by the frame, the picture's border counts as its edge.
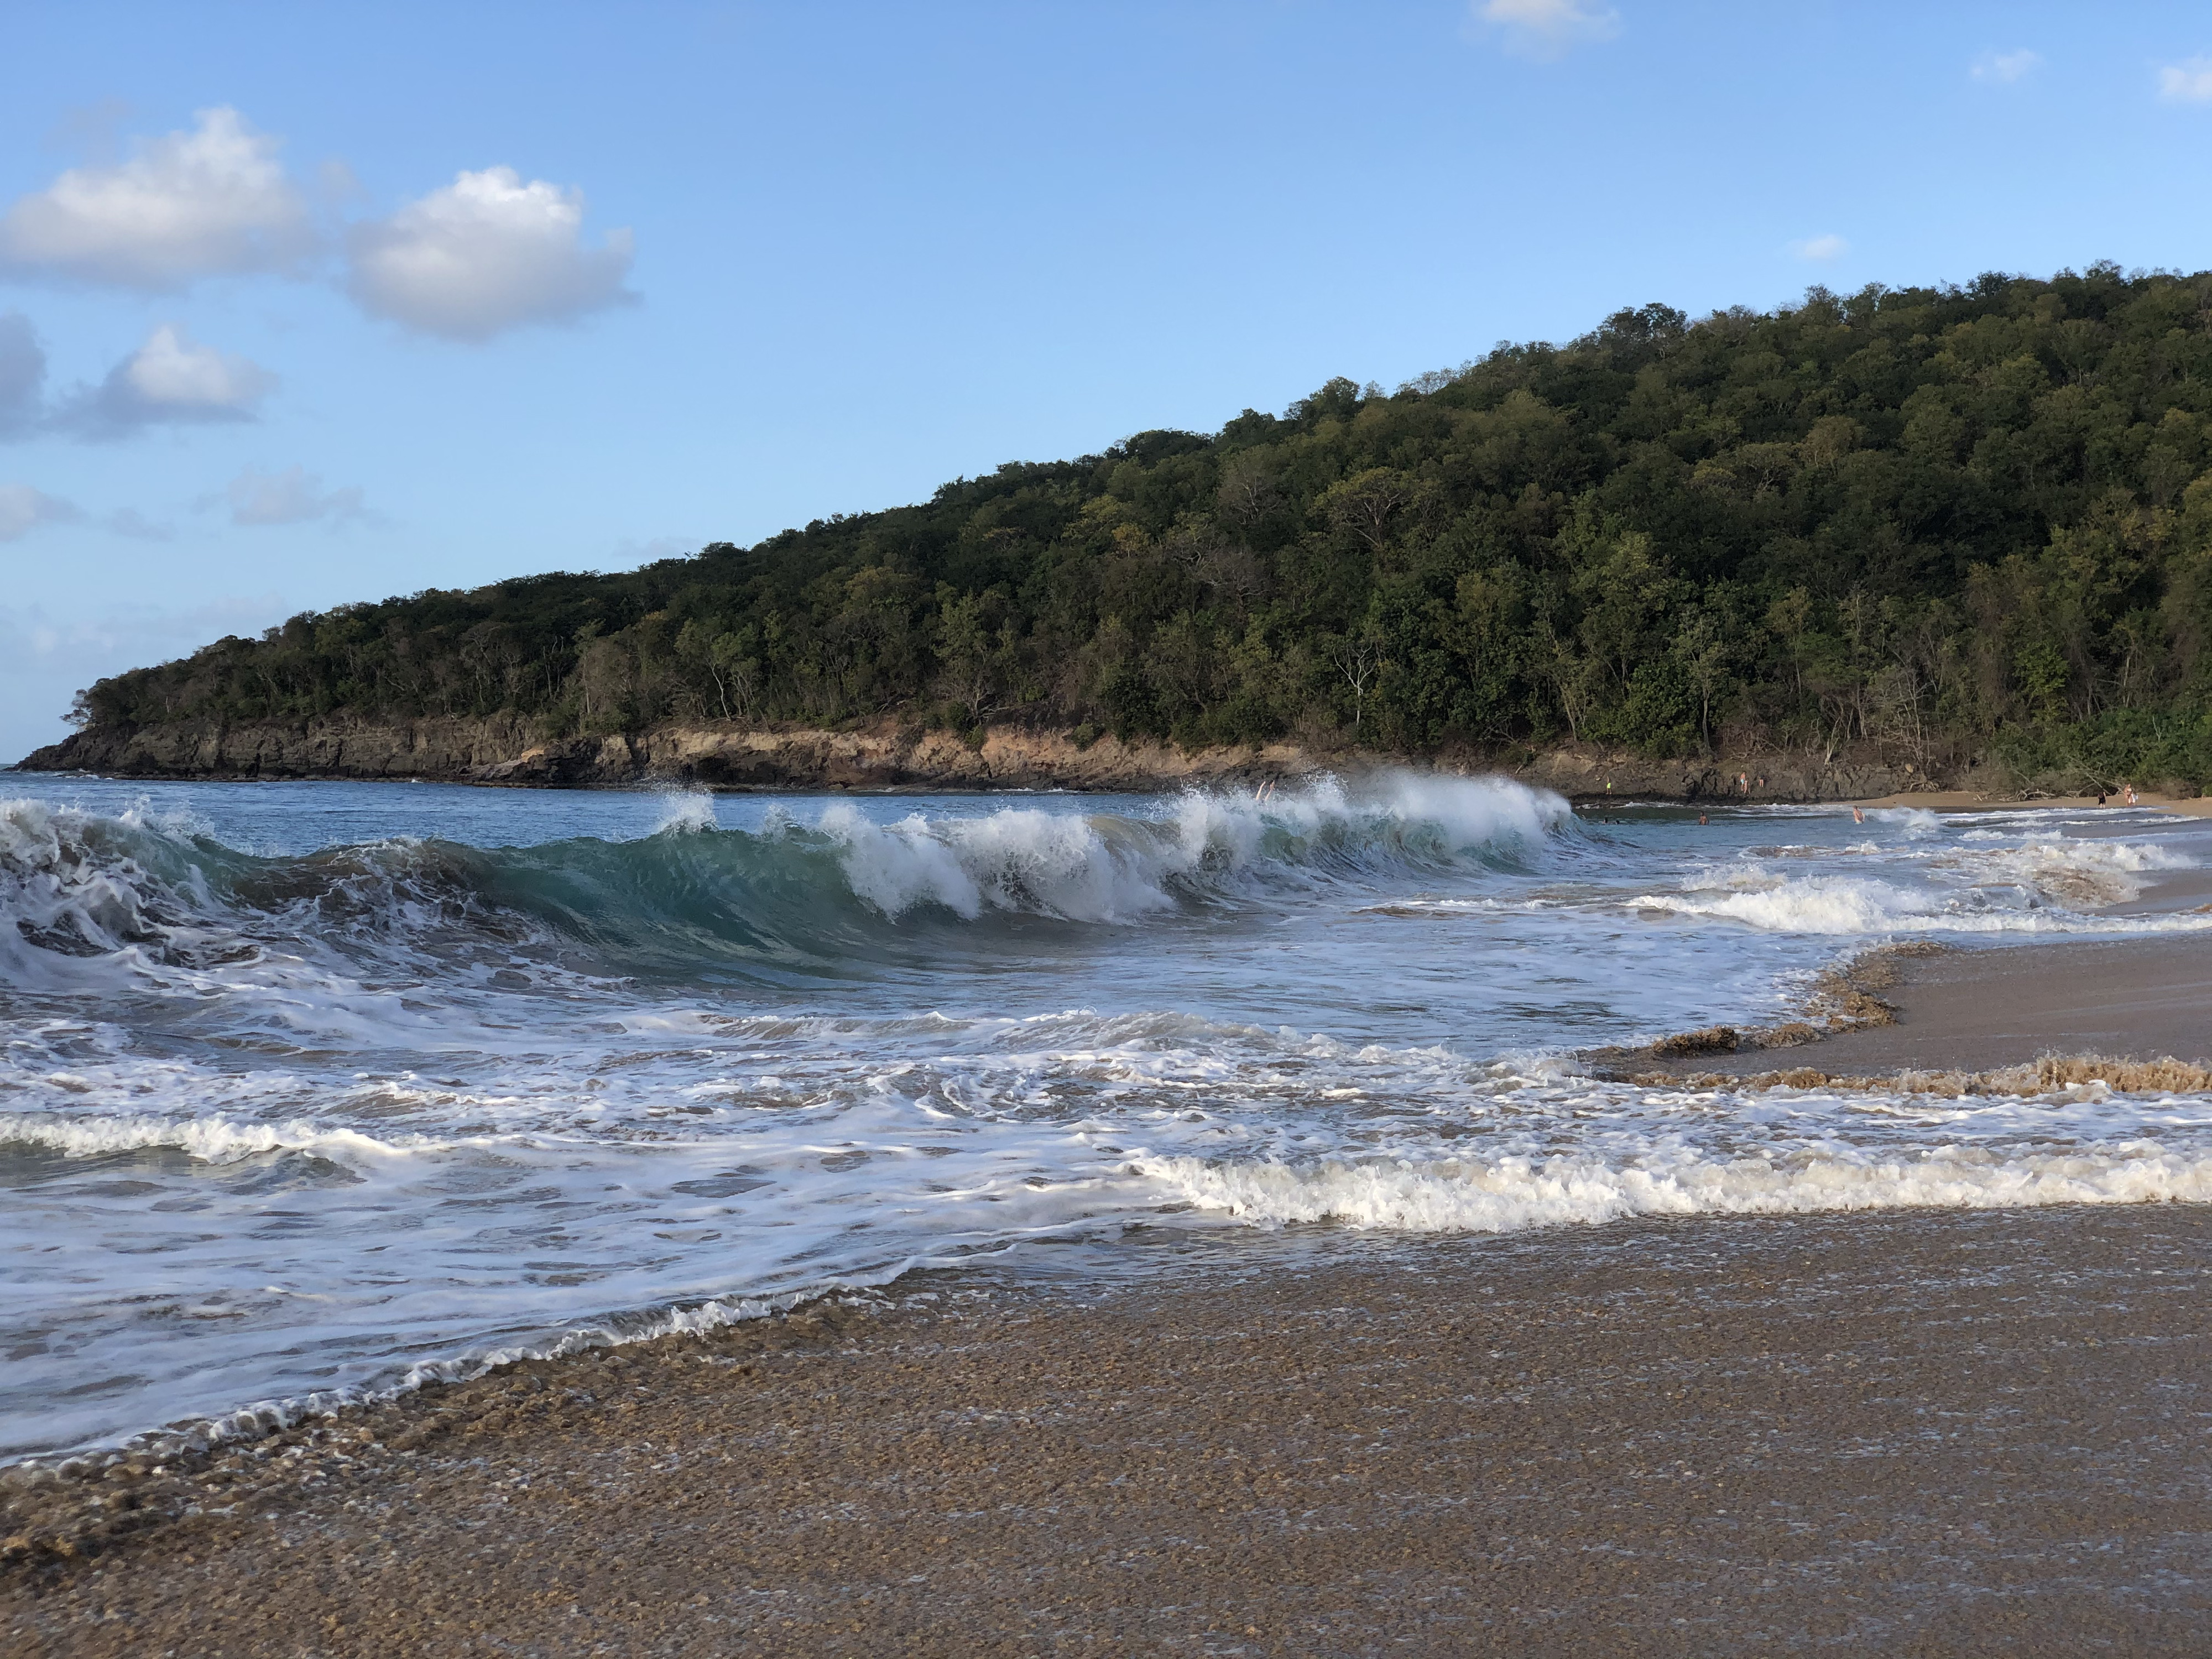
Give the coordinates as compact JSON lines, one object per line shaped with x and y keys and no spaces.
{"x":1935,"y":521}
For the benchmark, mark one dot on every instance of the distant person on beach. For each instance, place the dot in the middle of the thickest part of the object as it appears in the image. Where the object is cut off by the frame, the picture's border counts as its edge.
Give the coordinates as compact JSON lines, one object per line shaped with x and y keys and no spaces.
{"x":2129,"y":795}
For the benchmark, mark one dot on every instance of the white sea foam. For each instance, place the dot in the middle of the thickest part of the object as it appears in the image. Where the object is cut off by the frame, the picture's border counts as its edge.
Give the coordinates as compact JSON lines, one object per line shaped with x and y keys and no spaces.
{"x":1021,"y":859}
{"x":1515,"y":1193}
{"x":1917,"y":823}
{"x":685,"y":811}
{"x":1100,"y":869}
{"x":211,"y":1139}
{"x":2038,"y":885}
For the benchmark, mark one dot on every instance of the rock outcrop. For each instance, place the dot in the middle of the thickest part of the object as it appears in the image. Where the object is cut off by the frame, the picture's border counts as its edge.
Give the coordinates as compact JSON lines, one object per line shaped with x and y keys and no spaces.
{"x":507,"y":751}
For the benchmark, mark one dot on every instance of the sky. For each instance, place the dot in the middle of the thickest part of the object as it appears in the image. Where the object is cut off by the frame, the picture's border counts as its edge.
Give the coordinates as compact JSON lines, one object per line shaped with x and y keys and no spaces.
{"x":307,"y":304}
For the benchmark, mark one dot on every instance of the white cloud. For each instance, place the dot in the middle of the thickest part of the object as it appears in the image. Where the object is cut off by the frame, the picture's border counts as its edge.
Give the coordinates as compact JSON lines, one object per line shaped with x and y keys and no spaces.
{"x":23,"y":374}
{"x":2189,"y":82}
{"x":23,"y":509}
{"x":1823,"y":247}
{"x":189,"y":204}
{"x":1548,"y":29}
{"x":169,"y":381}
{"x":130,"y":521}
{"x":486,"y":253}
{"x":292,"y":496}
{"x":2007,"y":66}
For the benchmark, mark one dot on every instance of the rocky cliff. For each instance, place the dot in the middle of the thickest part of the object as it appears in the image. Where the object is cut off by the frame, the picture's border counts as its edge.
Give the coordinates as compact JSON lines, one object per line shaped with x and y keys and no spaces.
{"x":889,"y":756}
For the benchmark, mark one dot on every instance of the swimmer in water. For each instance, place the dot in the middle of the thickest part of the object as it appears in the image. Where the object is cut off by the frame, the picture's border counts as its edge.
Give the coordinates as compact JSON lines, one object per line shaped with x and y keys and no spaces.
{"x":1857,"y":816}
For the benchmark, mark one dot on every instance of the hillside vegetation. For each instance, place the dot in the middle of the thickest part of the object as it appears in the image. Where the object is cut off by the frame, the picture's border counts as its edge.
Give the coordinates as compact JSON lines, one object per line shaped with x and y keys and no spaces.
{"x":1936,"y":521}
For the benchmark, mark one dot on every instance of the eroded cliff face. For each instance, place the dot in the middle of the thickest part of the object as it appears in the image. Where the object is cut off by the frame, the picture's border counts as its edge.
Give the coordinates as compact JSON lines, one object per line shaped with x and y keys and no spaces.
{"x":505,"y":752}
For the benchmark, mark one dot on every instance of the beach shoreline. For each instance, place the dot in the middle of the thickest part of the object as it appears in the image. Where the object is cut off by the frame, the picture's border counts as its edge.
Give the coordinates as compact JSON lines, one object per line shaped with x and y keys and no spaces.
{"x":1912,"y":1431}
{"x":1967,"y":800}
{"x":1960,"y":1012}
{"x":1954,"y":1432}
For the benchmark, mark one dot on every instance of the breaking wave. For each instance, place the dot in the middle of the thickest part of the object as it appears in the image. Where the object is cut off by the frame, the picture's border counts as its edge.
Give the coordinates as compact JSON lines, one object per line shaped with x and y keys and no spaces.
{"x":793,"y":894}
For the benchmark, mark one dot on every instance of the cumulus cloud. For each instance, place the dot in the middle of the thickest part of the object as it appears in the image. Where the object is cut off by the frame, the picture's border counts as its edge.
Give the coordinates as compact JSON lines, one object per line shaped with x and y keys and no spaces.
{"x":22,"y":376}
{"x":1548,"y":29}
{"x":23,"y":509}
{"x":2189,"y":82}
{"x":292,"y":496}
{"x":203,"y":203}
{"x":2006,"y":66}
{"x":1822,"y":248}
{"x":169,"y":381}
{"x":486,"y":253}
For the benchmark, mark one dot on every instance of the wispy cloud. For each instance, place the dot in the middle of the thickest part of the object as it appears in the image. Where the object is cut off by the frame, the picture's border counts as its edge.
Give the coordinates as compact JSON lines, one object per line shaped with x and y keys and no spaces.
{"x":23,"y":509}
{"x":294,"y":495}
{"x":29,"y":634}
{"x":22,"y":376}
{"x":45,"y":656}
{"x":130,"y":522}
{"x":2189,"y":82}
{"x":1821,"y":248}
{"x":2006,"y":67}
{"x":1547,"y":29}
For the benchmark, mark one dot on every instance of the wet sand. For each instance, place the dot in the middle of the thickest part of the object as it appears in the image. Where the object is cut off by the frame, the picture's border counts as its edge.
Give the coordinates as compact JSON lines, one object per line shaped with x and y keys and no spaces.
{"x":1950,"y":1433}
{"x":1967,"y":800}
{"x":1980,"y":1010}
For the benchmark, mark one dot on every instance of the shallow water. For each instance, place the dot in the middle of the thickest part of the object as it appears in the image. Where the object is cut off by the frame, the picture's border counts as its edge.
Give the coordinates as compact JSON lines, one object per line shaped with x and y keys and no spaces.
{"x":311,"y":1088}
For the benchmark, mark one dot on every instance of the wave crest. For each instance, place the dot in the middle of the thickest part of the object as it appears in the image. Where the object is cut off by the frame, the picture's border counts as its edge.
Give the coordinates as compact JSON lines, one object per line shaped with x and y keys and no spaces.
{"x":790,"y":896}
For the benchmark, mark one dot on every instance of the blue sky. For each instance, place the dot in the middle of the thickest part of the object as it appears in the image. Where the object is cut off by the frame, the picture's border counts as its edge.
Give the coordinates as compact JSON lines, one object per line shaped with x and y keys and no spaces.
{"x":312,"y":303}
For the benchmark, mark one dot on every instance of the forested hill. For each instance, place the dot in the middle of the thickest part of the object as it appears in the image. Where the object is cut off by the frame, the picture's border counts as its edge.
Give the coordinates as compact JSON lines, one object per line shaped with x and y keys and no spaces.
{"x":1934,"y":521}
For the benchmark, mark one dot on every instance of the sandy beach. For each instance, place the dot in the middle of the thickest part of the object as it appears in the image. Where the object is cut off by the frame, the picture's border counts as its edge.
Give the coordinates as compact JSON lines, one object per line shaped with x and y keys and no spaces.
{"x":1913,"y":1433}
{"x":1977,"y":1010}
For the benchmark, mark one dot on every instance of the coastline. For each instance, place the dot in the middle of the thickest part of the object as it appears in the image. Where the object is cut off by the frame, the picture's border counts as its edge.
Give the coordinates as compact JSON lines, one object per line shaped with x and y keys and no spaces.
{"x":1963,"y":800}
{"x":891,"y":758}
{"x":1961,"y":1433}
{"x":902,"y":757}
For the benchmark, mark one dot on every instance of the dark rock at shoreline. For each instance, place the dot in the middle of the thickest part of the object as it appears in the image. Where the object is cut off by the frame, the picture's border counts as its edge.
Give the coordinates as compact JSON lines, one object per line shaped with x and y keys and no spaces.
{"x":506,"y":750}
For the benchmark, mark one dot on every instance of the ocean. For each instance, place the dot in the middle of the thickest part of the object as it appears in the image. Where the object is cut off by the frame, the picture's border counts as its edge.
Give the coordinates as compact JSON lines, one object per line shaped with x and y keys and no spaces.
{"x":315,"y":1090}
